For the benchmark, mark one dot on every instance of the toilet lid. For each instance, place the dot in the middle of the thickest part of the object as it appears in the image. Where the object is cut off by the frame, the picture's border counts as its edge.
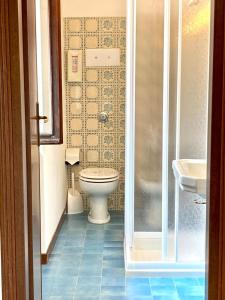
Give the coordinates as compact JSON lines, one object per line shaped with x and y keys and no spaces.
{"x":99,"y":173}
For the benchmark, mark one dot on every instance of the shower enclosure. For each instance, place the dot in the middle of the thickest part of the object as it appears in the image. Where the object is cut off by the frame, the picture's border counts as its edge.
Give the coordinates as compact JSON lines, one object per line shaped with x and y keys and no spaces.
{"x":166,"y":119}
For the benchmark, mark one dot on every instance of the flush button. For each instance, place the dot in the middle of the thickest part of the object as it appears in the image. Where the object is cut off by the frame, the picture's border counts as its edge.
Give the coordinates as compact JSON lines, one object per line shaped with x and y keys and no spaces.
{"x":102,"y":57}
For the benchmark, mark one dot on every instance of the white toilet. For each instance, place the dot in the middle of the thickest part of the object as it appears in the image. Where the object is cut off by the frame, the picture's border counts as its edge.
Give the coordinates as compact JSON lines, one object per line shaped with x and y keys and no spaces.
{"x":98,"y":184}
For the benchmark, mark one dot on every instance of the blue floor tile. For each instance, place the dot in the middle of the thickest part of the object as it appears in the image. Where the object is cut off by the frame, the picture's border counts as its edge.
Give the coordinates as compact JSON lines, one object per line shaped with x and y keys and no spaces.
{"x":113,"y":271}
{"x":86,"y":298}
{"x":161,"y":281}
{"x":137,"y":281}
{"x":201,"y":281}
{"x":61,"y":298}
{"x":113,"y":244}
{"x":192,"y":298}
{"x":185,"y":281}
{"x":190,"y":291}
{"x":89,"y":281}
{"x":92,"y":258}
{"x":174,"y":297}
{"x":163,"y":290}
{"x":126,"y":298}
{"x":112,"y":291}
{"x":116,"y":263}
{"x":90,"y":291}
{"x":88,"y":271}
{"x":87,"y":263}
{"x":112,"y":280}
{"x":138,"y":290}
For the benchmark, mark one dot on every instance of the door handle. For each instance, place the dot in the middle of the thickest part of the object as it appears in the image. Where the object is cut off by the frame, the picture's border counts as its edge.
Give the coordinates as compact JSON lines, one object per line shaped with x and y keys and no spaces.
{"x":45,"y":118}
{"x":38,"y":118}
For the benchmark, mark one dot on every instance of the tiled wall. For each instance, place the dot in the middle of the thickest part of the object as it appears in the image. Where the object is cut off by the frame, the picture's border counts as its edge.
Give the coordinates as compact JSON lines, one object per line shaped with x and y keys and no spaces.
{"x":102,"y":89}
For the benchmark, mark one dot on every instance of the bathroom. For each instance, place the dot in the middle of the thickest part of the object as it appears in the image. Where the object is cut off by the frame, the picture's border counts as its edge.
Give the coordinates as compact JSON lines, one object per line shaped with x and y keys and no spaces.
{"x":124,"y":230}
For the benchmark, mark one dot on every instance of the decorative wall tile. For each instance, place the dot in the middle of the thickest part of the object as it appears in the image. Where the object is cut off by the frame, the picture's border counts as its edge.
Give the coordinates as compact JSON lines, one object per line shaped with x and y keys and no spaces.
{"x":122,"y":92}
{"x":92,"y":156}
{"x":75,"y":92}
{"x":92,"y":76}
{"x":102,"y":89}
{"x":108,"y":140}
{"x":76,"y":108}
{"x":91,"y":41}
{"x":122,"y":156}
{"x":108,"y":41}
{"x":92,"y":124}
{"x":122,"y":25}
{"x":108,"y":92}
{"x":92,"y":92}
{"x":122,"y":41}
{"x":108,"y":155}
{"x":123,"y":58}
{"x":109,"y":125}
{"x":108,"y":25}
{"x":121,"y":124}
{"x":122,"y":108}
{"x":122,"y":75}
{"x":75,"y":42}
{"x":92,"y":108}
{"x":108,"y":107}
{"x":76,"y":140}
{"x":76,"y":124}
{"x":108,"y":76}
{"x":92,"y":140}
{"x":75,"y":25}
{"x":121,"y":140}
{"x":91,"y":25}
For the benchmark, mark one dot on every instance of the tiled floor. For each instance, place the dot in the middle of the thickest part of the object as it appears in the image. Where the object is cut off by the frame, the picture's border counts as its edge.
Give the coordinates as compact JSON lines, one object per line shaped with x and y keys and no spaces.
{"x":87,"y":264}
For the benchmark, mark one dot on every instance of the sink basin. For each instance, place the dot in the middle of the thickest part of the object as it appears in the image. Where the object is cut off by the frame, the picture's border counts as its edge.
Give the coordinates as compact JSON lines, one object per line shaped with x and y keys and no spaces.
{"x":191,"y":175}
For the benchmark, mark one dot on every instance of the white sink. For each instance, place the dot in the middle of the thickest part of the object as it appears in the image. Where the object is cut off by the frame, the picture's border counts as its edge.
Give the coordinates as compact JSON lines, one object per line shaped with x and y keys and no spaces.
{"x":191,"y":175}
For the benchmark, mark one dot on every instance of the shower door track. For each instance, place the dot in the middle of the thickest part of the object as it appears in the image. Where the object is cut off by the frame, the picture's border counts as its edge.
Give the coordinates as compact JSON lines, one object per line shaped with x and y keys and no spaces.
{"x":161,"y":268}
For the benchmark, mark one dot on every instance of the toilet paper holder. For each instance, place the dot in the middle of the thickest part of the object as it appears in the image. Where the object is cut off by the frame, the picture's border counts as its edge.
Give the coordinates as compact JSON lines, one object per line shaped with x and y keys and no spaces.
{"x":72,"y":156}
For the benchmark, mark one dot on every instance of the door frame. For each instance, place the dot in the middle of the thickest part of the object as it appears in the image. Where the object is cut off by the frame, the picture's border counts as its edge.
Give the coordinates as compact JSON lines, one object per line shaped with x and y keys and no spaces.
{"x":13,"y":161}
{"x":215,"y":268}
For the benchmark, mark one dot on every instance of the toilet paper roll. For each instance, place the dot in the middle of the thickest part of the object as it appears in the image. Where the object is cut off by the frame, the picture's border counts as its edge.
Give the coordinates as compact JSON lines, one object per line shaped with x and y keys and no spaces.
{"x":72,"y":156}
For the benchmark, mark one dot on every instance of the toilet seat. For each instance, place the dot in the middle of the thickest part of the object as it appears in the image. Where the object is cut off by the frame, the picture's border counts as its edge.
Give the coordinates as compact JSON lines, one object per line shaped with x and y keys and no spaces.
{"x":99,"y":175}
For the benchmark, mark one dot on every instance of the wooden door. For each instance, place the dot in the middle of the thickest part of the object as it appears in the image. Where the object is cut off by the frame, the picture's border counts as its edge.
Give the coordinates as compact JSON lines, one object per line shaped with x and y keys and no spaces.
{"x":19,"y":153}
{"x":32,"y":121}
{"x":13,"y":190}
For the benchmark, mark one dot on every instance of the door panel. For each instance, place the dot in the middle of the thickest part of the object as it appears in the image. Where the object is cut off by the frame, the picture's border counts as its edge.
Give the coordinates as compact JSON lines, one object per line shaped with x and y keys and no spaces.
{"x":32,"y":114}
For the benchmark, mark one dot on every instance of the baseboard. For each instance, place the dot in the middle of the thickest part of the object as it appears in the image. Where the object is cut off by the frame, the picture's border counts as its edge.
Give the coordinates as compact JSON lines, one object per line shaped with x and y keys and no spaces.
{"x":45,"y":256}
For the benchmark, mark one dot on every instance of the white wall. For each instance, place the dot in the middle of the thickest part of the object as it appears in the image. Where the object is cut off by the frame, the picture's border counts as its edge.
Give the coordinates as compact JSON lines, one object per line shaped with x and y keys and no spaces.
{"x":96,"y":8}
{"x":53,"y":186}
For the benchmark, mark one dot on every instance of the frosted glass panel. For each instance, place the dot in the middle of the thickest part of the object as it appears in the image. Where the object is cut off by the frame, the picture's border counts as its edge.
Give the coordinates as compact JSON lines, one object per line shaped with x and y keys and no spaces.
{"x":149,"y":101}
{"x":193,"y":125}
{"x":192,"y":229}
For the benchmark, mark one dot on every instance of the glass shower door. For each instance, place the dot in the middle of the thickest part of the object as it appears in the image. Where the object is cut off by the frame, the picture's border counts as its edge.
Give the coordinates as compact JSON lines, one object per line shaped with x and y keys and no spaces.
{"x":148,"y":116}
{"x":166,"y":120}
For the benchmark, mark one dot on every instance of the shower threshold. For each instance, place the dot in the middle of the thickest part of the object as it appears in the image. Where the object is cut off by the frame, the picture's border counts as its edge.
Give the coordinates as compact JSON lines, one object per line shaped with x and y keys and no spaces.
{"x":145,"y":258}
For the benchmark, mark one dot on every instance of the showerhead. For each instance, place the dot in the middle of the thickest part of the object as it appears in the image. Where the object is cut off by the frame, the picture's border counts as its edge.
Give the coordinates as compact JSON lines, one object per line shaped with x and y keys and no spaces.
{"x":193,"y":2}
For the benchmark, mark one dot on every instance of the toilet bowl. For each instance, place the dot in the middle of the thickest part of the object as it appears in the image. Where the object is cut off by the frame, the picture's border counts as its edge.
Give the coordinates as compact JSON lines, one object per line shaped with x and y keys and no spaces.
{"x":98,"y":184}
